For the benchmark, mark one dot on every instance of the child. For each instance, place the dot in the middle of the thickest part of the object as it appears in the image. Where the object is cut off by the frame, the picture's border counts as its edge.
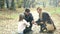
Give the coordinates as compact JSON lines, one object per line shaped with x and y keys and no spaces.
{"x":22,"y":24}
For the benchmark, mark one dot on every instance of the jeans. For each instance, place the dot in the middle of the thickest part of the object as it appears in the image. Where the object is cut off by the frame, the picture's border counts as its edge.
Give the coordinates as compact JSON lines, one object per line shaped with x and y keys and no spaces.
{"x":43,"y":26}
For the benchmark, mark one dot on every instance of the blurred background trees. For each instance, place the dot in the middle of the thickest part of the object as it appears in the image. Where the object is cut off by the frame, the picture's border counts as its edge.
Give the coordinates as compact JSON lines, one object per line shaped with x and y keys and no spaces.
{"x":1,"y":4}
{"x":13,"y":4}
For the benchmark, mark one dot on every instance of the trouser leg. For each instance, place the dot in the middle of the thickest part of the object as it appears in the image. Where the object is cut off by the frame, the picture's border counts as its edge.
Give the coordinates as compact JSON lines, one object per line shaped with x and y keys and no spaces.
{"x":30,"y":27}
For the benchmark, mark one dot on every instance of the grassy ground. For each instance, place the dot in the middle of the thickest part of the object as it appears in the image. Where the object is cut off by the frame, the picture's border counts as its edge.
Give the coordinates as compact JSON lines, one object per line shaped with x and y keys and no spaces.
{"x":53,"y":10}
{"x":9,"y":19}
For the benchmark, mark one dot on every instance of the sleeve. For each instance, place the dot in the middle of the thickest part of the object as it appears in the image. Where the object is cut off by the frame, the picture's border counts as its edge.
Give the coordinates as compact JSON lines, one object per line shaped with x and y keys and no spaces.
{"x":19,"y":26}
{"x":31,"y":17}
{"x":38,"y":21}
{"x":26,"y":23}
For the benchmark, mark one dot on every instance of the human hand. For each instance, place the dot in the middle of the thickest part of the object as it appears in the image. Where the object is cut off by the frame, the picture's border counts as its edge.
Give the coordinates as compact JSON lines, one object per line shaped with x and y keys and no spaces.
{"x":33,"y":22}
{"x":41,"y":22}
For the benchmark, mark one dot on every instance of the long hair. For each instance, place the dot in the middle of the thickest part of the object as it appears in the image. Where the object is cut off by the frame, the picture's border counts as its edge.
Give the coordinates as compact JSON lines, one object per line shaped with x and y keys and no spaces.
{"x":21,"y":17}
{"x":40,"y":14}
{"x":39,"y":8}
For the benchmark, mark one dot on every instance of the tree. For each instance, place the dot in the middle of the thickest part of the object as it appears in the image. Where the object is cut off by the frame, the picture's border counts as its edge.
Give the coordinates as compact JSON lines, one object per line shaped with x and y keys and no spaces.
{"x":1,"y":4}
{"x":58,"y":3}
{"x":7,"y":3}
{"x":29,"y":3}
{"x":55,"y":3}
{"x":32,"y":3}
{"x":24,"y":2}
{"x":12,"y":5}
{"x":44,"y":4}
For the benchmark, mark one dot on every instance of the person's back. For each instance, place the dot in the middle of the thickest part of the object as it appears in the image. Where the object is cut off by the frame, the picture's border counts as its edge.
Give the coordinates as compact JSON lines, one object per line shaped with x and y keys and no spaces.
{"x":22,"y":24}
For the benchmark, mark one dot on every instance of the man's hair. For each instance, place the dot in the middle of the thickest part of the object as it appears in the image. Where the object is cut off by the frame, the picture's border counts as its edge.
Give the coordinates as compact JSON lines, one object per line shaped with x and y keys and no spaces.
{"x":21,"y":17}
{"x":27,"y":10}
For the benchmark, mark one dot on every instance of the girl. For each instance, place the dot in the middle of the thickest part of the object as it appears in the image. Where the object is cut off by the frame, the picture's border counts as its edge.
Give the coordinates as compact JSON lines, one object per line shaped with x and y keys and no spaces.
{"x":22,"y":24}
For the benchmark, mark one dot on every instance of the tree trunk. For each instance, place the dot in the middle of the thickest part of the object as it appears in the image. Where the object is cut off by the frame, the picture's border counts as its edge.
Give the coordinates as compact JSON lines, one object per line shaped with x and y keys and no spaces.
{"x":12,"y":5}
{"x":1,"y":4}
{"x":55,"y":3}
{"x":7,"y":3}
{"x":44,"y":4}
{"x":25,"y":3}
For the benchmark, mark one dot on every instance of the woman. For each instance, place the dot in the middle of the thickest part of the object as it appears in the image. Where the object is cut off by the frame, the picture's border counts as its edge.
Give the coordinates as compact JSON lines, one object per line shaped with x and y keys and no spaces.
{"x":43,"y":17}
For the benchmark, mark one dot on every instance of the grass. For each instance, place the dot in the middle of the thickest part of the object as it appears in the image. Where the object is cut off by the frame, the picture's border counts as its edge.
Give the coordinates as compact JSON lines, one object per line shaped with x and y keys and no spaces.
{"x":10,"y":14}
{"x":58,"y":10}
{"x":9,"y":26}
{"x":13,"y":14}
{"x":4,"y":15}
{"x":53,"y":10}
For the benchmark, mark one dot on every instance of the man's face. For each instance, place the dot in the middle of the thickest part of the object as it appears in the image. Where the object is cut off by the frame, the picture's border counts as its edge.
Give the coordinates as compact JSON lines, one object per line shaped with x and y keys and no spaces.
{"x":39,"y":11}
{"x":27,"y":13}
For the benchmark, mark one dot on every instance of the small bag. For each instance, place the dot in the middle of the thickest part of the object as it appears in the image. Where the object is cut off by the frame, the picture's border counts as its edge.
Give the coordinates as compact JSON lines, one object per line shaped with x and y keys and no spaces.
{"x":50,"y":27}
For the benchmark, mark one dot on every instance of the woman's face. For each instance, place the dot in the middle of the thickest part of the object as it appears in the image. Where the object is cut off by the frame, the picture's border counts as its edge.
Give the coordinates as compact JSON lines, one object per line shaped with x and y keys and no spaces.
{"x":39,"y":11}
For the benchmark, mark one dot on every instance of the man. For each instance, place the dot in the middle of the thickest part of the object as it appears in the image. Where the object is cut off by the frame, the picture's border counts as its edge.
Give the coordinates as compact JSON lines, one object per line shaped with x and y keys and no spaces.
{"x":28,"y":18}
{"x":43,"y":17}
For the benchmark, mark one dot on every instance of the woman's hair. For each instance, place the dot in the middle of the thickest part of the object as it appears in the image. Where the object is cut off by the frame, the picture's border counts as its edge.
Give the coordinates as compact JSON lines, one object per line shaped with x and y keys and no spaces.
{"x":39,"y":8}
{"x":21,"y":17}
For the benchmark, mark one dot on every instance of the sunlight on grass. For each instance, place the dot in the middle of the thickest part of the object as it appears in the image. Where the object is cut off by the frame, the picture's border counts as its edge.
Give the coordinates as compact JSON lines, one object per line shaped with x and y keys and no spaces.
{"x":20,"y":10}
{"x":9,"y":16}
{"x":53,"y":10}
{"x":13,"y":16}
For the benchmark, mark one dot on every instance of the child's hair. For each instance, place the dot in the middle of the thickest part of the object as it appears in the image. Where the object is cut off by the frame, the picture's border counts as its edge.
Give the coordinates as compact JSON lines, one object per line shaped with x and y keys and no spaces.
{"x":21,"y":17}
